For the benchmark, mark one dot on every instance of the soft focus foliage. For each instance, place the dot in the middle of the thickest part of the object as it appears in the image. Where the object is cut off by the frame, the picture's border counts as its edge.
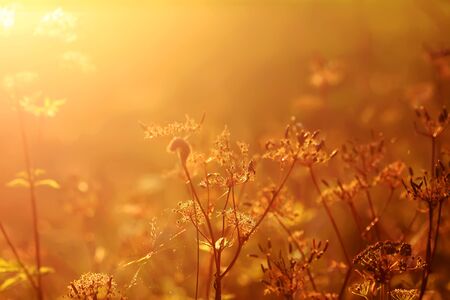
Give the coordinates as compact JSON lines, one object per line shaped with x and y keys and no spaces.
{"x":225,"y":149}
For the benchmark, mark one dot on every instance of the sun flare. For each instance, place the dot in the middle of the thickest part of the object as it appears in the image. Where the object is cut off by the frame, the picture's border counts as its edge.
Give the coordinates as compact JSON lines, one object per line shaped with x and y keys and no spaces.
{"x":244,"y":149}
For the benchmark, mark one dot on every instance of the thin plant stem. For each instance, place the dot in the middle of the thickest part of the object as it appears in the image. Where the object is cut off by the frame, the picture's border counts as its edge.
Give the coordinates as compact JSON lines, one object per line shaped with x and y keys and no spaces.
{"x":410,"y":225}
{"x":386,"y":204}
{"x":427,"y":270}
{"x":243,"y":239}
{"x":274,"y":196}
{"x":436,"y":234}
{"x":210,"y":271}
{"x":330,"y":216}
{"x":373,"y":213}
{"x":346,"y":279}
{"x":355,"y":217}
{"x":336,"y":230}
{"x":430,"y":251}
{"x":208,"y":223}
{"x":197,"y":227}
{"x":223,"y":210}
{"x":33,"y":200}
{"x":16,"y":255}
{"x":433,"y":154}
{"x":302,"y":253}
{"x":198,"y":260}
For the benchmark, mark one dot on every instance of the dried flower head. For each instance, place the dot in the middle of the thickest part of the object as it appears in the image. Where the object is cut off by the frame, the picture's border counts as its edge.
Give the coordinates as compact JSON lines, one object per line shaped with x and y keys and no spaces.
{"x":364,"y":158}
{"x":91,"y":286}
{"x":343,"y":192}
{"x":402,"y":294}
{"x":298,"y":144}
{"x":237,"y":165}
{"x":382,"y":260}
{"x":391,"y":175}
{"x":363,"y":289}
{"x":284,"y":205}
{"x":173,"y":129}
{"x":431,"y":127}
{"x":283,"y":276}
{"x":431,"y":190}
{"x":189,"y":211}
{"x":243,"y":222}
{"x":284,"y":273}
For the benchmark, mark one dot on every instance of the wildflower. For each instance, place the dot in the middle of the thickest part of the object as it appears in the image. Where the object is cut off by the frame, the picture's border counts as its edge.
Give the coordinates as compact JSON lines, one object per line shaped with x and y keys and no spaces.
{"x":282,"y":276}
{"x":173,"y":129}
{"x":238,"y":166}
{"x":92,"y":286}
{"x":383,"y":260}
{"x":431,"y":127}
{"x":402,"y":294}
{"x":391,"y":175}
{"x":364,"y":158}
{"x":431,"y":190}
{"x":298,"y":144}
{"x":189,"y":212}
{"x":343,"y":192}
{"x":283,"y":206}
{"x":243,"y":222}
{"x":363,"y":289}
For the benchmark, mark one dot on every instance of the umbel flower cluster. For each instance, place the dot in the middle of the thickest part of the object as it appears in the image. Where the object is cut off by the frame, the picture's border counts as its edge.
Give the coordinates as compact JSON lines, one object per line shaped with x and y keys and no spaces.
{"x":93,"y":286}
{"x":381,"y":261}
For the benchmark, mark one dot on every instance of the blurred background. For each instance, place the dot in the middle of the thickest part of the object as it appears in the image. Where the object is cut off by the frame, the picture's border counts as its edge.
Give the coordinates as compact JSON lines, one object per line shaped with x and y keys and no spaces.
{"x":88,"y":71}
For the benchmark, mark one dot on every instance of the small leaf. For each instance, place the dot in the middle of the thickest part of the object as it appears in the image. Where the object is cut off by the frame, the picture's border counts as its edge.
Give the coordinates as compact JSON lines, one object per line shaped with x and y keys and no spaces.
{"x":18,"y":182}
{"x":205,"y":247}
{"x":46,"y":270}
{"x":48,"y":182}
{"x":11,"y":281}
{"x":222,"y":243}
{"x":8,"y":266}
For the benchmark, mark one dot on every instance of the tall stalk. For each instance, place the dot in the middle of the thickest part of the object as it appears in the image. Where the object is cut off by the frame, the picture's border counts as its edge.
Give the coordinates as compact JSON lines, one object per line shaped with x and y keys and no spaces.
{"x":336,"y":230}
{"x":429,"y":251}
{"x":33,"y":200}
